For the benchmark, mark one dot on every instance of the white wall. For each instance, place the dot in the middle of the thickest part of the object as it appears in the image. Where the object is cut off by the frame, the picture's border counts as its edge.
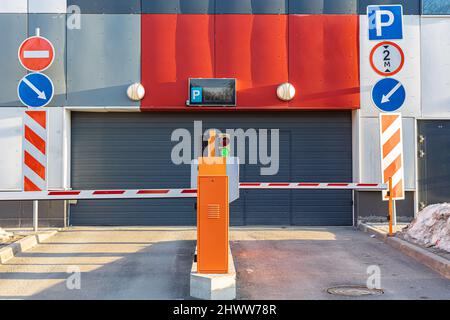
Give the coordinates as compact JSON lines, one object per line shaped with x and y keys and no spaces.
{"x":11,"y":148}
{"x":55,"y":151}
{"x":47,"y":6}
{"x":33,"y":6}
{"x":13,"y":6}
{"x":435,"y":67}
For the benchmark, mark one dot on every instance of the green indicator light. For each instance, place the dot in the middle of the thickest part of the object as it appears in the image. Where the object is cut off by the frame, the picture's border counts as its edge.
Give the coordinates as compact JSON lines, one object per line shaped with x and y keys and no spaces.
{"x":225,"y":152}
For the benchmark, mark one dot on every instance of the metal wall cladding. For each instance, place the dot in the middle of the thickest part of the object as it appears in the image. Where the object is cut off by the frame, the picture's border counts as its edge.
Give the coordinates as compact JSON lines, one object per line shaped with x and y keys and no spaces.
{"x":47,"y":6}
{"x":13,"y":30}
{"x":175,"y":48}
{"x":13,"y":6}
{"x":434,"y":166}
{"x":107,"y":6}
{"x":53,"y":27}
{"x":253,"y":49}
{"x":261,"y":51}
{"x":178,"y":6}
{"x":410,"y":7}
{"x":103,"y":59}
{"x":11,"y":148}
{"x":435,"y":67}
{"x":438,"y":7}
{"x":370,"y":204}
{"x":19,"y":214}
{"x":324,"y":61}
{"x":323,"y":6}
{"x":271,"y":6}
{"x":252,"y":7}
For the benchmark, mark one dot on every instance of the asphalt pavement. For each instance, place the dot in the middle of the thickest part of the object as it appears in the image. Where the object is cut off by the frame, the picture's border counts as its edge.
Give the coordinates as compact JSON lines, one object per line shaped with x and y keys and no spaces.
{"x":271,"y":263}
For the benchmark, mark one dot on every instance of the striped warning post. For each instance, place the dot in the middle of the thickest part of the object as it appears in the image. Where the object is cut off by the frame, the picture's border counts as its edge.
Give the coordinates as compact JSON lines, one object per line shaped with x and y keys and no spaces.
{"x":392,"y":153}
{"x":34,"y":150}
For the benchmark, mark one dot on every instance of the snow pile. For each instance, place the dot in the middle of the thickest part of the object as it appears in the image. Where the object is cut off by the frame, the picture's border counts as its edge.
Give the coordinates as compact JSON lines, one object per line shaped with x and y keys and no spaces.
{"x":431,"y":227}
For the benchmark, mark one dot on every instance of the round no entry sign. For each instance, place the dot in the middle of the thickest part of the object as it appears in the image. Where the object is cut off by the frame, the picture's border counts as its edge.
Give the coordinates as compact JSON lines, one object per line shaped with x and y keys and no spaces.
{"x":36,"y":53}
{"x":387,"y":58}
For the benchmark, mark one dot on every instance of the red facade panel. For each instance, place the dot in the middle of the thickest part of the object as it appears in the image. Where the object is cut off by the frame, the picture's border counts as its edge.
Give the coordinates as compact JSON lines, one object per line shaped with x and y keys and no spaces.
{"x":174,"y":48}
{"x":318,"y":54}
{"x":324,"y":61}
{"x":253,"y":49}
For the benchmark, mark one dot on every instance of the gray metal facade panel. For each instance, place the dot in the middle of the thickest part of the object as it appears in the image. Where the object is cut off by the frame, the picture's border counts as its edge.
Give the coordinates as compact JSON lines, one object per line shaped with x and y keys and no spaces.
{"x":53,"y":27}
{"x":107,"y":6}
{"x":368,"y":204}
{"x":103,"y":59}
{"x":435,"y":7}
{"x":434,"y":166}
{"x":128,"y":150}
{"x":13,"y":30}
{"x":252,"y":7}
{"x":410,"y":7}
{"x":323,"y":6}
{"x":178,"y":6}
{"x":19,"y":214}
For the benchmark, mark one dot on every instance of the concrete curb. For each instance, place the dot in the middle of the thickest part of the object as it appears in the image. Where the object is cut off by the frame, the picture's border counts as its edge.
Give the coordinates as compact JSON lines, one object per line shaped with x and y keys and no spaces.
{"x":22,"y":245}
{"x":431,"y":260}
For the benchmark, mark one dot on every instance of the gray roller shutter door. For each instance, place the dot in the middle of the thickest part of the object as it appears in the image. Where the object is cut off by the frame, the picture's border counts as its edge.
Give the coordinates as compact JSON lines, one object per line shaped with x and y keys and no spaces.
{"x":133,"y":150}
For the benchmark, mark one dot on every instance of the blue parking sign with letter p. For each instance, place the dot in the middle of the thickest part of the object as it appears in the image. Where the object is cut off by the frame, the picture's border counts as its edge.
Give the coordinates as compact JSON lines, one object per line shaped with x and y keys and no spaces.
{"x":196,"y":95}
{"x":385,"y":22}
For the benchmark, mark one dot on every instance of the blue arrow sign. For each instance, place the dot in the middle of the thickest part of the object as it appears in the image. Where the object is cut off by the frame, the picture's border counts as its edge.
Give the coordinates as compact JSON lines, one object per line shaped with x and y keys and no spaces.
{"x":388,"y":94}
{"x":35,"y":90}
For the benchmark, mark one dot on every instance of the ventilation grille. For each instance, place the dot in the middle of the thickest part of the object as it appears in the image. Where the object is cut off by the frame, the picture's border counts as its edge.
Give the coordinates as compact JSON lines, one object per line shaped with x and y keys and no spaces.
{"x":213,"y":211}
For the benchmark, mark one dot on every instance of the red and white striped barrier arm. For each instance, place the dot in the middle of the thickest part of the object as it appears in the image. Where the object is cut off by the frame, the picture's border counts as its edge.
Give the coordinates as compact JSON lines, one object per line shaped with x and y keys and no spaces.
{"x":313,"y":185}
{"x":177,"y":193}
{"x":99,"y":194}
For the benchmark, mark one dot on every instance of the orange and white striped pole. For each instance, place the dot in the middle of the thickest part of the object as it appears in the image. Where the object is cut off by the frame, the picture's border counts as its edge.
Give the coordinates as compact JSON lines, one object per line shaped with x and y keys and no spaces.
{"x":34,"y":147}
{"x":392,"y":158}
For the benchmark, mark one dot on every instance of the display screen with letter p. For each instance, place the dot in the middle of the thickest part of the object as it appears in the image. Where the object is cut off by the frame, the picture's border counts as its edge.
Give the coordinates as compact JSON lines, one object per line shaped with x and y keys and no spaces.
{"x":219,"y":92}
{"x":385,"y":22}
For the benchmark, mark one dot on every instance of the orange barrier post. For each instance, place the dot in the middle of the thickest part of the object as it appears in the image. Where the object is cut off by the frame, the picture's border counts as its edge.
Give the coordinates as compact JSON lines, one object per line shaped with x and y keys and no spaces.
{"x":391,"y":207}
{"x":212,"y":216}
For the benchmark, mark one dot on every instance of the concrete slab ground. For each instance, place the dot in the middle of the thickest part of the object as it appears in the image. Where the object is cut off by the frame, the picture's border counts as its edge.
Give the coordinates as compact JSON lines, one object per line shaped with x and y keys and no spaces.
{"x":302,"y":263}
{"x":155,"y":263}
{"x":114,"y":263}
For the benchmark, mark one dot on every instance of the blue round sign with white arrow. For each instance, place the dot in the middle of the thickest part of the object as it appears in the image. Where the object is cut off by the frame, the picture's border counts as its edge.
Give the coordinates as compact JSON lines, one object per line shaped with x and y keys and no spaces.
{"x":35,"y":90}
{"x":388,"y":94}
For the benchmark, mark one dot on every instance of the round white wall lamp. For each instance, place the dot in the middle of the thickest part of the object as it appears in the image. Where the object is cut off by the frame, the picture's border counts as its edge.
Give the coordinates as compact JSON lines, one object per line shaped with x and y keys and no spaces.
{"x":286,"y":91}
{"x":136,"y":92}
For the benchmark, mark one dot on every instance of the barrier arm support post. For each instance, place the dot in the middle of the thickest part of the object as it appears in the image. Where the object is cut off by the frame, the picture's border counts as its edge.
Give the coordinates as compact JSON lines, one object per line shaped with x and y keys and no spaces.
{"x":35,"y":215}
{"x":212,"y":216}
{"x":391,"y":207}
{"x":212,"y":212}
